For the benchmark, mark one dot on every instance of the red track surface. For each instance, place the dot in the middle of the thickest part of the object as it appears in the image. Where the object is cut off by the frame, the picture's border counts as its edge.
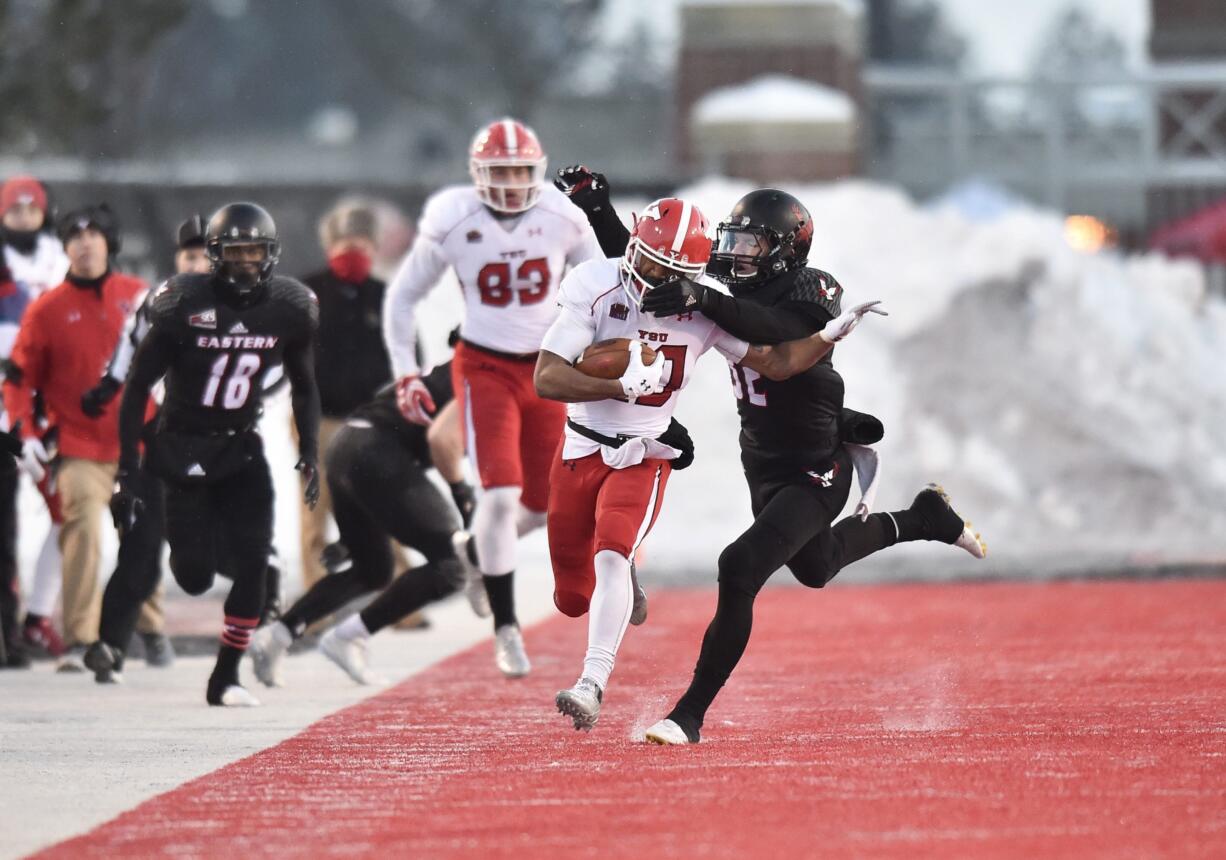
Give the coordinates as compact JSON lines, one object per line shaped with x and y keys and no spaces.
{"x":1009,"y":720}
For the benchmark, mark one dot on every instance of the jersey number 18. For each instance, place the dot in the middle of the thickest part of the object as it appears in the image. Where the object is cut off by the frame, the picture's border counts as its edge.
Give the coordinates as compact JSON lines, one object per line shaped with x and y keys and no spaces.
{"x":237,"y":385}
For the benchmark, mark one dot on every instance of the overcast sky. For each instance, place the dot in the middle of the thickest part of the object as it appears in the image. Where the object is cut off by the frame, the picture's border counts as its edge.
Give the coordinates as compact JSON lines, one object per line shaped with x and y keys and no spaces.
{"x":1003,"y":36}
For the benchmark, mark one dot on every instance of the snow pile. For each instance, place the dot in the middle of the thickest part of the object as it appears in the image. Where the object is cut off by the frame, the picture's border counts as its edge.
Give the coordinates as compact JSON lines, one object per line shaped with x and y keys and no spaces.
{"x":775,"y":98}
{"x":1075,"y":405}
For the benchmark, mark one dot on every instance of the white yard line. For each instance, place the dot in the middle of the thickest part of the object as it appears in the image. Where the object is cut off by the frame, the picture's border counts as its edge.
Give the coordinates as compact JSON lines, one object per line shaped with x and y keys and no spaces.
{"x":74,"y":754}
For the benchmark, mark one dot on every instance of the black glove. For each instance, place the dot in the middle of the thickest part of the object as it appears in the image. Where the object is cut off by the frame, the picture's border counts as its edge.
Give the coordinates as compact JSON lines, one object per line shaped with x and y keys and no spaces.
{"x":465,"y":501}
{"x":586,"y":189}
{"x":676,"y":436}
{"x":673,"y":297}
{"x":94,"y":401}
{"x":310,"y":477}
{"x":126,"y":503}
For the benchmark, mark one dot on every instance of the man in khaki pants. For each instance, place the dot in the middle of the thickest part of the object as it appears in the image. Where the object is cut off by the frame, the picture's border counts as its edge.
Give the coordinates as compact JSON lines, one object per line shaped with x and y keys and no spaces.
{"x":351,"y":362}
{"x":65,"y":341}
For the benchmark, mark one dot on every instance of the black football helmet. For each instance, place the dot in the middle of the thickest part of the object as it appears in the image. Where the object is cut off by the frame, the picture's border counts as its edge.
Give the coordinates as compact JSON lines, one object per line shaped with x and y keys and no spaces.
{"x":242,"y":224}
{"x":768,"y":232}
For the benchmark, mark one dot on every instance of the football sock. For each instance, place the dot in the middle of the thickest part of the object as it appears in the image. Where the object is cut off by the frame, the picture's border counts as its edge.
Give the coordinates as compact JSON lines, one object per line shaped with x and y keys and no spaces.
{"x":412,"y":590}
{"x":929,"y":518}
{"x":501,"y":592}
{"x":722,"y":647}
{"x":327,"y":595}
{"x":612,"y":602}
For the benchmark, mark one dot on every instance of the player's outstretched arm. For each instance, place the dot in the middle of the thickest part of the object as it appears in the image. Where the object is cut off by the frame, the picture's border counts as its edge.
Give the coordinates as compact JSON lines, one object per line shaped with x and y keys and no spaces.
{"x":765,"y":324}
{"x":796,"y":356}
{"x":556,"y":379}
{"x":589,"y":190}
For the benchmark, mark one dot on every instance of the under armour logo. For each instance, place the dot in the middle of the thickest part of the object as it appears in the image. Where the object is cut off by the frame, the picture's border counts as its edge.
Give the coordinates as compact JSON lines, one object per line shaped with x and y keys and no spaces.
{"x":685,"y":317}
{"x":570,"y":464}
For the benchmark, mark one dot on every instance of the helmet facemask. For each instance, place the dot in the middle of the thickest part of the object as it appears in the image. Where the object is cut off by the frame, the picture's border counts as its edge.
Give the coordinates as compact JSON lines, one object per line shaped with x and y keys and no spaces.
{"x":237,"y":263}
{"x":661,"y":269}
{"x":745,"y":256}
{"x":508,"y":185}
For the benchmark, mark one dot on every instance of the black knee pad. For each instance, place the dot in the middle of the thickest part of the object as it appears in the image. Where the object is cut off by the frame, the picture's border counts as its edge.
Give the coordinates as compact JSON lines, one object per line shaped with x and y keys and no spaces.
{"x":446,"y":577}
{"x":736,"y":568}
{"x":193,"y":577}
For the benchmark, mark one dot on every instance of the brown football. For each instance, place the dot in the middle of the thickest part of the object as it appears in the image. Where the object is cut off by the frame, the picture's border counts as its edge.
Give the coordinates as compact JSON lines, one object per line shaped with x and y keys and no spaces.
{"x":607,"y":359}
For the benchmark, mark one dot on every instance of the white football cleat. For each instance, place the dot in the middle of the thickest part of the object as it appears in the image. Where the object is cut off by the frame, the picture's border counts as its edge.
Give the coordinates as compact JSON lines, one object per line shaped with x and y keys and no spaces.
{"x":581,"y":703}
{"x":666,"y":733}
{"x":638,"y":613}
{"x":474,"y":582}
{"x":235,"y":696}
{"x":509,"y":654}
{"x":350,"y":655}
{"x":268,"y":648}
{"x":973,"y":542}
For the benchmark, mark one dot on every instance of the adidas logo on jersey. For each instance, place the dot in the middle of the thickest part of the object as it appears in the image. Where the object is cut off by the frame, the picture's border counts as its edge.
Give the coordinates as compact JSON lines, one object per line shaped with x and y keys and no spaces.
{"x":238,"y":328}
{"x":195,"y":470}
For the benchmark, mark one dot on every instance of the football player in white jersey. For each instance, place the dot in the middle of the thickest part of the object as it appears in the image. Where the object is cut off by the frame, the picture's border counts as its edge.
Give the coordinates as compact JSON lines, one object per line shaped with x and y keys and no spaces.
{"x":620,"y":440}
{"x":509,"y":238}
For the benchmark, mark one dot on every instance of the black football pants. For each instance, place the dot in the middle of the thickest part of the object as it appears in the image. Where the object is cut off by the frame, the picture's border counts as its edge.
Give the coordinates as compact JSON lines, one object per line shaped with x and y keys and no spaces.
{"x":792,"y":527}
{"x":379,"y":489}
{"x":138,"y":567}
{"x":223,"y":525}
{"x":10,"y":633}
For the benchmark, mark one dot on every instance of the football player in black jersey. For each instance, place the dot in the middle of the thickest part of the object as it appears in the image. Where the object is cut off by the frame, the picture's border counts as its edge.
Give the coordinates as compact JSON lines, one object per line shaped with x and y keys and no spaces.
{"x":793,"y":432}
{"x":213,"y":338}
{"x":376,"y":470}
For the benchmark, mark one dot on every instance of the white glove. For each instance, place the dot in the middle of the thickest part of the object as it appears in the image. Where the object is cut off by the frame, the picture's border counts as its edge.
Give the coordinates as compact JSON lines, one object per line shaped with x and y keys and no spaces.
{"x":837,"y":329}
{"x":641,"y":379}
{"x":34,"y":459}
{"x":414,"y":401}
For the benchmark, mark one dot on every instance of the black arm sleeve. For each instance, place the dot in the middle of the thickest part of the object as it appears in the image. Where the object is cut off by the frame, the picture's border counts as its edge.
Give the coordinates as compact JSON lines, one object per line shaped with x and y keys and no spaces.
{"x":760,"y":324}
{"x":152,"y":360}
{"x":610,"y":232}
{"x":304,"y":397}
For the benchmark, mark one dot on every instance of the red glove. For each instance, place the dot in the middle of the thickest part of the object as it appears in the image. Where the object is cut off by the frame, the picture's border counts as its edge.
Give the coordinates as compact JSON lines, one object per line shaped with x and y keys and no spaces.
{"x":414,"y":401}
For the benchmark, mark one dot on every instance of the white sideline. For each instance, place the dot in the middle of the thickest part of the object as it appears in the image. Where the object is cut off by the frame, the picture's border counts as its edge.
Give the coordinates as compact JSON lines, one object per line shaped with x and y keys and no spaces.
{"x":74,"y":754}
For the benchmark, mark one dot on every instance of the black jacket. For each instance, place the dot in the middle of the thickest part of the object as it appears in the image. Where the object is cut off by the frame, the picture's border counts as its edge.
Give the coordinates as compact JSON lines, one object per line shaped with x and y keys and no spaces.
{"x":351,"y":362}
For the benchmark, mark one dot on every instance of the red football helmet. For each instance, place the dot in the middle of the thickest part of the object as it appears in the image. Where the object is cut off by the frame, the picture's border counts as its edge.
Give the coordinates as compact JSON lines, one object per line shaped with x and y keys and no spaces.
{"x":670,"y":236}
{"x":496,"y":152}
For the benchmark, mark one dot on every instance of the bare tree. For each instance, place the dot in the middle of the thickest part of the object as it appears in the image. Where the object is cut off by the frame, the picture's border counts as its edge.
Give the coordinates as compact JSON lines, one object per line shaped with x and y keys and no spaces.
{"x":71,"y":71}
{"x":467,"y":60}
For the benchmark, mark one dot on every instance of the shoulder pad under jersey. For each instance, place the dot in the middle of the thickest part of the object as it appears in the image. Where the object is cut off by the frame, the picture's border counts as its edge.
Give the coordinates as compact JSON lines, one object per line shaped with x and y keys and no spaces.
{"x":298,"y":296}
{"x":170,"y":302}
{"x":818,"y":287}
{"x":587,"y":283}
{"x":445,"y":209}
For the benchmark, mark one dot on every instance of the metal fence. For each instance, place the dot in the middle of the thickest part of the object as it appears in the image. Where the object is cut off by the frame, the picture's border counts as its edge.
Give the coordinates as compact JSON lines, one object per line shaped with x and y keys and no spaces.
{"x":1137,"y":150}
